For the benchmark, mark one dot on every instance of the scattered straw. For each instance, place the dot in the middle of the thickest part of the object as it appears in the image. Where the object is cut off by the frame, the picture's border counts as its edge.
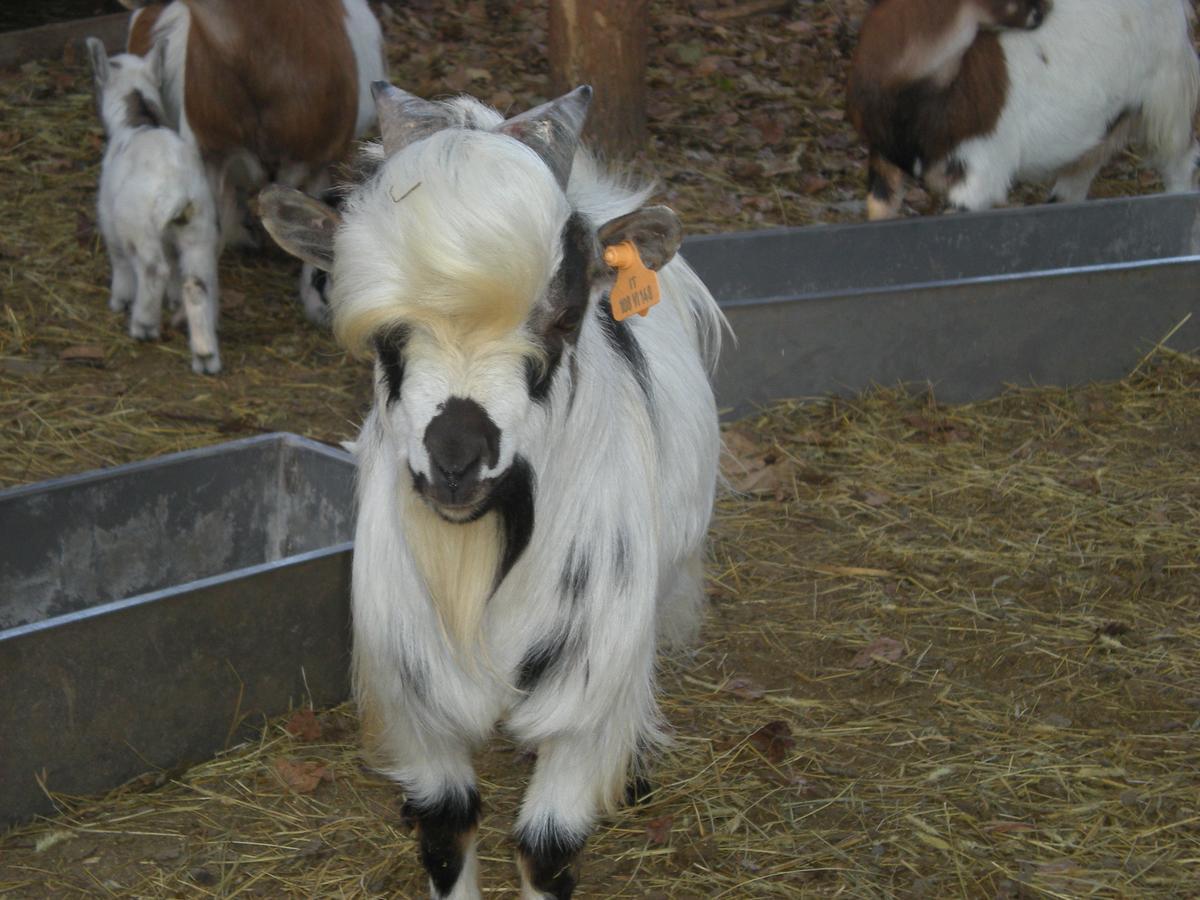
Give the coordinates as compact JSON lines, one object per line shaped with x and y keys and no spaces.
{"x":951,"y":651}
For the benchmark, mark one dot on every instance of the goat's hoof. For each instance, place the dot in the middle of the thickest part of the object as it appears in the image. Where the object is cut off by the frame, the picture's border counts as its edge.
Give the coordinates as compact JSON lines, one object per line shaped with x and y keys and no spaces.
{"x":141,"y":332}
{"x":207,"y":365}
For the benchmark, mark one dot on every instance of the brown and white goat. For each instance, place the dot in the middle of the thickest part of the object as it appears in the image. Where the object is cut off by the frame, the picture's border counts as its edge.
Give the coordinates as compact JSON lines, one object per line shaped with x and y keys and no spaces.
{"x":972,"y":95}
{"x":270,"y":90}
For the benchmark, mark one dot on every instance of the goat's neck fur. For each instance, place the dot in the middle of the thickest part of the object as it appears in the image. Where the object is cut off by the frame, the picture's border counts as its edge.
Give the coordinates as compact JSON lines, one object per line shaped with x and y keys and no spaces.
{"x":458,"y":563}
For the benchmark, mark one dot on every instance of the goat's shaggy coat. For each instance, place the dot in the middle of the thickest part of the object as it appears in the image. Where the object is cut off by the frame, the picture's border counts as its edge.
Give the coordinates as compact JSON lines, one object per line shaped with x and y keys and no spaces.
{"x":154,"y":209}
{"x":970,"y":111}
{"x":535,"y":479}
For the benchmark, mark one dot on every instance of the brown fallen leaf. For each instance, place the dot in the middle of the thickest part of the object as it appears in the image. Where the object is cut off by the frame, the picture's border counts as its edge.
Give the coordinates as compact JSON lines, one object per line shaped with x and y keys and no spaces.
{"x":744,"y":688}
{"x":83,"y":355}
{"x":873,"y":498}
{"x":774,"y":740}
{"x":1005,"y":827}
{"x":302,"y":777}
{"x":304,"y":725}
{"x":658,"y":831}
{"x":881,"y":648}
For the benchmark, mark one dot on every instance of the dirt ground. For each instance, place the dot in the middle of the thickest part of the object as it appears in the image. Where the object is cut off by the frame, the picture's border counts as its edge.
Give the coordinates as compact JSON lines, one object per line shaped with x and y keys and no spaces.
{"x":950,"y":651}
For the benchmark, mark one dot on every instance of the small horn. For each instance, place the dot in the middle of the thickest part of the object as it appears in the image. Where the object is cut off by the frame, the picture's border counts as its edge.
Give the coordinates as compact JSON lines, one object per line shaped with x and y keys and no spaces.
{"x":552,"y":130}
{"x":404,"y":117}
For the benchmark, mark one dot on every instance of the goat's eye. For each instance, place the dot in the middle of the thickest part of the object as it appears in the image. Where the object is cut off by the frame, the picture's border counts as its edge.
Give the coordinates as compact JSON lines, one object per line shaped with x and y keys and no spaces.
{"x":568,"y":320}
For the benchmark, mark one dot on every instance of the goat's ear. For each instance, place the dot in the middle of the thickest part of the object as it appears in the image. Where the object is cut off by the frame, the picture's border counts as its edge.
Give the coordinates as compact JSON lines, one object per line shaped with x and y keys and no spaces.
{"x":99,"y":60}
{"x":655,"y":230}
{"x":157,"y":58}
{"x":302,"y":226}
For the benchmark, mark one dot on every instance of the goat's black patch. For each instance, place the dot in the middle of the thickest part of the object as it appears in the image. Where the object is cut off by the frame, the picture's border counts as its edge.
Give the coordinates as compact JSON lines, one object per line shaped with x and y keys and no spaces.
{"x":513,"y":500}
{"x":637,"y":789}
{"x":573,"y":581}
{"x":539,"y":659}
{"x":443,"y":828}
{"x":140,"y":112}
{"x":955,"y":170}
{"x":621,"y":558}
{"x":621,"y":338}
{"x":319,"y":279}
{"x":550,"y":861}
{"x":389,"y":348}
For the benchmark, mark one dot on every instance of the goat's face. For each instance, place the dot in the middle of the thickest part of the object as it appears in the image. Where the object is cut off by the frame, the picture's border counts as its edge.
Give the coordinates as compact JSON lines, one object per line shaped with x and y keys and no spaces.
{"x":128,"y":87}
{"x":1027,"y":14}
{"x":462,"y":264}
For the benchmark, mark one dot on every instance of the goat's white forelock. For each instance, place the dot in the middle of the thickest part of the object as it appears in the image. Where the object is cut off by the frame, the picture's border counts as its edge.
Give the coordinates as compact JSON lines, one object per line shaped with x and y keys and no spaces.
{"x":460,"y":227}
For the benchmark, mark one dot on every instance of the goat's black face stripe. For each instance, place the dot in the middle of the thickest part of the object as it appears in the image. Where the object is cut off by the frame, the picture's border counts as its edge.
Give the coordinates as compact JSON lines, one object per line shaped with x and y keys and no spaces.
{"x":513,"y":500}
{"x":444,"y":828}
{"x":551,"y":862}
{"x":389,"y":347}
{"x":139,"y":113}
{"x":620,"y":337}
{"x":318,"y":281}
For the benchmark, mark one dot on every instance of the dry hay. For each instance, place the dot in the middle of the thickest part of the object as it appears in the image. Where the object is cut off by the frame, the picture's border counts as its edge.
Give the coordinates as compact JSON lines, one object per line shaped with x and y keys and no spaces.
{"x":951,"y":651}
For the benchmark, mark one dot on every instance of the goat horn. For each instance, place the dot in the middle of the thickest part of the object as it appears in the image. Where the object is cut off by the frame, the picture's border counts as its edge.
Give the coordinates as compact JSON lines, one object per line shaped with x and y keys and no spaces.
{"x":552,"y":130}
{"x":404,"y":117}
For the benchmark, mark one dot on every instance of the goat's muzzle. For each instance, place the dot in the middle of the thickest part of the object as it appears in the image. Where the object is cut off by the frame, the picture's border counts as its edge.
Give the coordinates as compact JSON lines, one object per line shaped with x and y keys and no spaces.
{"x":462,"y":441}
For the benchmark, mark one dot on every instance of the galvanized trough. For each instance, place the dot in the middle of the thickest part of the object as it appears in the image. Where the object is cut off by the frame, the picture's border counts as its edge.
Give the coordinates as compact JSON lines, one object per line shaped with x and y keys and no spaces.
{"x":147,"y":610}
{"x":150,"y":610}
{"x":1060,"y":294}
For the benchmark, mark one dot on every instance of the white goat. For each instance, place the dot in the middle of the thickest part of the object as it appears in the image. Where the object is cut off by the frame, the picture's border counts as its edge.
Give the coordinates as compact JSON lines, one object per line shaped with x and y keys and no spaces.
{"x":536,"y":478}
{"x":970,"y":111}
{"x":155,"y":209}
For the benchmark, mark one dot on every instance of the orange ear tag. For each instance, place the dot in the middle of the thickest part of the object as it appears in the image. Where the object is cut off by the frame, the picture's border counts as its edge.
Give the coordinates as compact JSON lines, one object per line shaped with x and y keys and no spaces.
{"x":636,"y":287}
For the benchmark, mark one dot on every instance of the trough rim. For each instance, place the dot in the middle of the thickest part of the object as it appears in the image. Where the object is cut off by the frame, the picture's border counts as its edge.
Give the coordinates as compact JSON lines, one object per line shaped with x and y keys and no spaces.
{"x":286,"y":438}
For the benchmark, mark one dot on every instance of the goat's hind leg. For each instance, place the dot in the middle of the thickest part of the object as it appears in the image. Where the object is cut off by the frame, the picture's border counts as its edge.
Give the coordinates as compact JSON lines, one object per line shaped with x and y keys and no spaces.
{"x":201,"y":306}
{"x":124,"y":281}
{"x":145,"y":320}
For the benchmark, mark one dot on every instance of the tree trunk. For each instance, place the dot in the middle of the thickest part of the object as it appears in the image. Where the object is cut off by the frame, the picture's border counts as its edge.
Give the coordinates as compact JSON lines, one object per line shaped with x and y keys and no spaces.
{"x":603,"y":43}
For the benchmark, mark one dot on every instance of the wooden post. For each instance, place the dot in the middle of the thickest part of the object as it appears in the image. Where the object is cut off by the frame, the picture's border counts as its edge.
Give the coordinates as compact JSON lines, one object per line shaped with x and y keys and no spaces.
{"x":603,"y":43}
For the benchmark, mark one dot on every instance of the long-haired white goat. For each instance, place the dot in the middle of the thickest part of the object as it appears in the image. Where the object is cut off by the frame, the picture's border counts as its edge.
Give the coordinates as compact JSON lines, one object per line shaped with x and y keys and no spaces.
{"x":535,"y":479}
{"x":155,"y":210}
{"x":936,"y":94}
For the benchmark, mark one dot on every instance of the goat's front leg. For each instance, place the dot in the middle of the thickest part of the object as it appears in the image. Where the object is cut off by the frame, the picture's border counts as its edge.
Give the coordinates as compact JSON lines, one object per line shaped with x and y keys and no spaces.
{"x":442,"y":798}
{"x":446,"y":826}
{"x":577,"y":777}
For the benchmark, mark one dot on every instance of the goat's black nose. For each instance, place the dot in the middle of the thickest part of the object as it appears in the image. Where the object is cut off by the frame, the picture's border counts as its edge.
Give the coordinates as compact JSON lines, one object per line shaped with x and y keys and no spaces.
{"x":461,"y":439}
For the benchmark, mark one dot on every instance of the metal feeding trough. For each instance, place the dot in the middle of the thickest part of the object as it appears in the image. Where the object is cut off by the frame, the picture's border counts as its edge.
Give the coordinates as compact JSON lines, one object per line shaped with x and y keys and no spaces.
{"x":149,"y":610}
{"x":1060,"y":294}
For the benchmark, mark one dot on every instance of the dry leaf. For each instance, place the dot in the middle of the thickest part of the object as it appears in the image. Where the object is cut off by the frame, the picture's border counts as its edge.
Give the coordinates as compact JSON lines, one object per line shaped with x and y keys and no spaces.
{"x":302,"y":777}
{"x":774,"y":740}
{"x":881,"y":648}
{"x":658,"y":831}
{"x":744,"y":688}
{"x":303,"y":725}
{"x":83,"y":355}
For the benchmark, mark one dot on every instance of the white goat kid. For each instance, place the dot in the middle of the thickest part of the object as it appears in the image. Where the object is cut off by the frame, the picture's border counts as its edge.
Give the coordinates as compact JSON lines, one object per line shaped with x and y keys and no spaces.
{"x":535,"y":479}
{"x":154,"y":209}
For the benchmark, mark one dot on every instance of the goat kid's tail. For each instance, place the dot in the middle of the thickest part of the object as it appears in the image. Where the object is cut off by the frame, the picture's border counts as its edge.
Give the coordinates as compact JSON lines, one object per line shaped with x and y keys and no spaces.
{"x":1173,"y":96}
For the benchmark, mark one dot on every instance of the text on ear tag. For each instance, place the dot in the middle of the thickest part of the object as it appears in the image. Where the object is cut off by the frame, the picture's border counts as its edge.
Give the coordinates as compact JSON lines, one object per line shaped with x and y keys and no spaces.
{"x":635,"y":289}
